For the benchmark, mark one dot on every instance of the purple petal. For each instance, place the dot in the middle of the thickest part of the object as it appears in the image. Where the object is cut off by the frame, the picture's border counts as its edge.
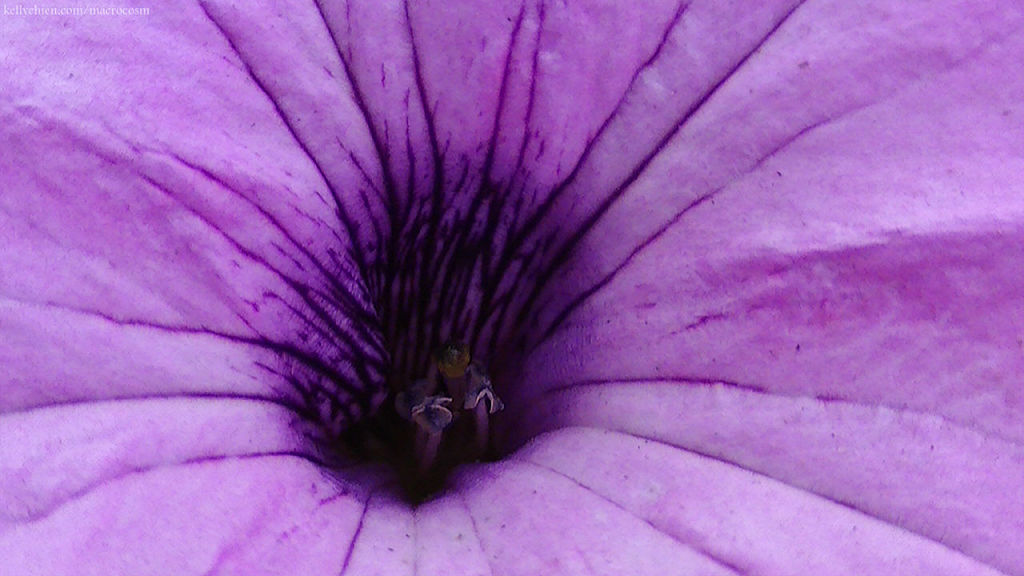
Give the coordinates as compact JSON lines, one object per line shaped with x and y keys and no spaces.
{"x":773,"y":324}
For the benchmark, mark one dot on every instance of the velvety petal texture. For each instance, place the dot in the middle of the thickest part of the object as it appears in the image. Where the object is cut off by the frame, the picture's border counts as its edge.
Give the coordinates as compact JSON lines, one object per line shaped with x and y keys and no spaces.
{"x":749,"y":272}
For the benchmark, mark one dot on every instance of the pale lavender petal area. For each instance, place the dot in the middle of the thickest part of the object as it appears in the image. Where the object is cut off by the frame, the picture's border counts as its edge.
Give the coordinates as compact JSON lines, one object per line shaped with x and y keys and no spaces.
{"x":762,"y":259}
{"x":157,"y":216}
{"x":756,"y":523}
{"x":868,"y":346}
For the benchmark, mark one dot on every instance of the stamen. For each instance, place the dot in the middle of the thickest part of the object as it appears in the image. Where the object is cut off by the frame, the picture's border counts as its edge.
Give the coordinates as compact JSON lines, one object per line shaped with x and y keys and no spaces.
{"x":482,"y":430}
{"x":433,"y":414}
{"x":413,"y":396}
{"x":481,"y":399}
{"x":426,"y":447}
{"x":480,"y":388}
{"x":425,"y":404}
{"x":431,"y":417}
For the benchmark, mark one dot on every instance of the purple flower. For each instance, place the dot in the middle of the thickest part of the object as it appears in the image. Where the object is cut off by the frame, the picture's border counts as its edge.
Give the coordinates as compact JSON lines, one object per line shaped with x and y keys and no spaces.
{"x":745,"y":275}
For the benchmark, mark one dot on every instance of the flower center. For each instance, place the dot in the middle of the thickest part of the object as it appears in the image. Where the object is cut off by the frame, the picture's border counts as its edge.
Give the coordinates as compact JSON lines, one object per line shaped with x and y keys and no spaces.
{"x":406,"y":368}
{"x":449,"y":414}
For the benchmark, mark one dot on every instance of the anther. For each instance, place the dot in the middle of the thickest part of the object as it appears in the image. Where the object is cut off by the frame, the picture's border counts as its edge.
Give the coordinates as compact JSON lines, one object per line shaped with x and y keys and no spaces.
{"x":478,"y":389}
{"x":432,"y":415}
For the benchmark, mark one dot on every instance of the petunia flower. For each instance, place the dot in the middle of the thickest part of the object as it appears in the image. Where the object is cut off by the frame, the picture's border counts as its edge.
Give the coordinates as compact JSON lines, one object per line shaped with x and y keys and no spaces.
{"x":745,"y":277}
